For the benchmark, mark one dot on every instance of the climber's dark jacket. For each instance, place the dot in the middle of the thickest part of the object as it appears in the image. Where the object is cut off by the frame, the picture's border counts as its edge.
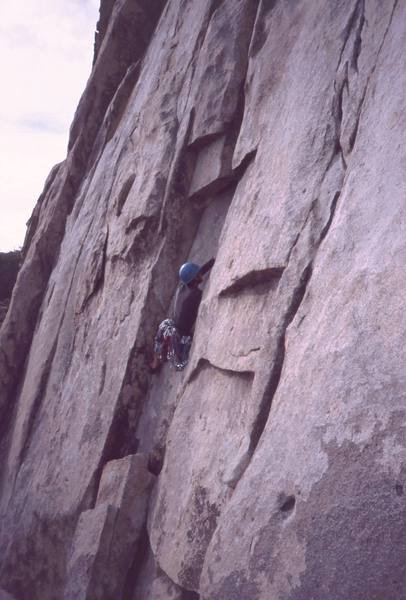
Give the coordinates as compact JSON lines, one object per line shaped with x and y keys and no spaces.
{"x":187,"y":304}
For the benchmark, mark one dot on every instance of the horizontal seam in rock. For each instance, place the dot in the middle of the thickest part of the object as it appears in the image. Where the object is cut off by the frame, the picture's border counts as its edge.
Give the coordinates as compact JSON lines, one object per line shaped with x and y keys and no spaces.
{"x":205,"y":362}
{"x":252,"y":280}
{"x":245,"y":354}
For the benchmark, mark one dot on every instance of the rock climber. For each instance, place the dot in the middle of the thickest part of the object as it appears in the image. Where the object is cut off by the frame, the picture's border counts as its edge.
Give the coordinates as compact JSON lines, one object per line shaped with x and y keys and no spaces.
{"x":174,"y":336}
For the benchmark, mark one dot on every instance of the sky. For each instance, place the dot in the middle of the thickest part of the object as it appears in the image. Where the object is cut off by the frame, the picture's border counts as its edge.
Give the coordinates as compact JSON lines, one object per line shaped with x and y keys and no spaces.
{"x":46,"y":53}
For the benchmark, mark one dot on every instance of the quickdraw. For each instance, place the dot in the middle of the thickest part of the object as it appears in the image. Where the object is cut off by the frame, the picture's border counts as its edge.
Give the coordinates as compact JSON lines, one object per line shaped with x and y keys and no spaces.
{"x":172,"y":347}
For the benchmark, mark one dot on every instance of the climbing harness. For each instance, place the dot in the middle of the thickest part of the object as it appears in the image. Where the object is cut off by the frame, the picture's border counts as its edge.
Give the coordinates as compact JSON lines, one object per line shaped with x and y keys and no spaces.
{"x":171,"y":346}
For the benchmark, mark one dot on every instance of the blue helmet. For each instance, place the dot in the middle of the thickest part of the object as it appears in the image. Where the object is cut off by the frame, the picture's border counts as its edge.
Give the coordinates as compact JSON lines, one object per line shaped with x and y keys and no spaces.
{"x":188,"y":272}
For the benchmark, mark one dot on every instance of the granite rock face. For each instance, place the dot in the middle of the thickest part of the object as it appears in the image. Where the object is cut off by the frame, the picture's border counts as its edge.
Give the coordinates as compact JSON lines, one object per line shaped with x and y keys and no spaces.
{"x":107,"y":536}
{"x":9,"y":265}
{"x":5,"y":596}
{"x":271,"y":135}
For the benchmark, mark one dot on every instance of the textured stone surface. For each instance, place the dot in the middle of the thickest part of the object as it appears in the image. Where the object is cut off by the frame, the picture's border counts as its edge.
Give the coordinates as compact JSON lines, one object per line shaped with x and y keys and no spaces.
{"x":188,"y":510}
{"x":107,"y":536}
{"x":213,"y":167}
{"x":221,"y":65}
{"x":164,"y":390}
{"x":124,"y":42}
{"x":91,"y":544}
{"x":325,"y":486}
{"x":5,"y":596}
{"x":152,"y":582}
{"x":9,"y":265}
{"x":271,"y":135}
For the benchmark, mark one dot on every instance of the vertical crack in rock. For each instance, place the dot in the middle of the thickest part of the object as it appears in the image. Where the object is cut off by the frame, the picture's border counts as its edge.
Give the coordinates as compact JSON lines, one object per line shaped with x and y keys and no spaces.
{"x":10,"y":413}
{"x":102,"y":378}
{"x":190,"y":69}
{"x":123,"y":195}
{"x":333,"y":207}
{"x":337,"y":111}
{"x":147,"y":580}
{"x":352,"y":34}
{"x":358,"y":37}
{"x":236,"y":125}
{"x":136,"y":566}
{"x":127,"y":36}
{"x":296,"y":300}
{"x":98,"y":273}
{"x":301,"y":286}
{"x":9,"y":267}
{"x":357,"y":50}
{"x":35,"y":407}
{"x":235,"y":175}
{"x":349,"y":27}
{"x":155,"y":241}
{"x":108,"y":537}
{"x":106,"y":8}
{"x":65,"y":180}
{"x":198,"y":46}
{"x":308,"y":216}
{"x":32,"y":223}
{"x":97,"y":281}
{"x":355,"y":27}
{"x":259,"y":34}
{"x":116,"y":110}
{"x":181,"y":153}
{"x":121,"y":439}
{"x":226,"y":121}
{"x":161,"y":401}
{"x":275,"y":375}
{"x":394,"y":7}
{"x":201,"y":506}
{"x":297,"y":296}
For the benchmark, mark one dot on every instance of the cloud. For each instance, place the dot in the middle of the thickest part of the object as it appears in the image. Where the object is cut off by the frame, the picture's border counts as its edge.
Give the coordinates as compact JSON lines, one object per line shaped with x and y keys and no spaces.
{"x":44,"y":123}
{"x":46,"y":52}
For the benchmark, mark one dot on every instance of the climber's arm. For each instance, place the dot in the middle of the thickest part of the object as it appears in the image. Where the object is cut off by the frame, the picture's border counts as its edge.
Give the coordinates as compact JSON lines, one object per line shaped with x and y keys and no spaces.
{"x":207,"y":266}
